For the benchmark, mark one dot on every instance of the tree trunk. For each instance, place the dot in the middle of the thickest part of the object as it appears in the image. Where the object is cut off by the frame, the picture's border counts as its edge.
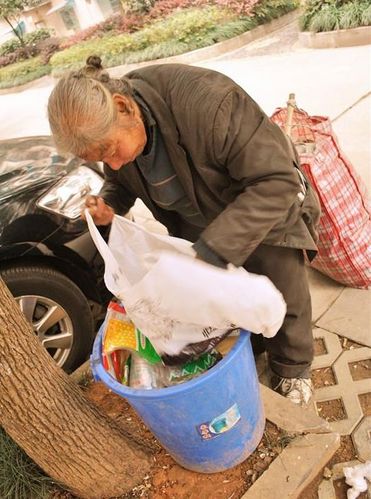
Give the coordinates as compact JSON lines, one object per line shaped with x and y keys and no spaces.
{"x":50,"y":419}
{"x":20,"y":38}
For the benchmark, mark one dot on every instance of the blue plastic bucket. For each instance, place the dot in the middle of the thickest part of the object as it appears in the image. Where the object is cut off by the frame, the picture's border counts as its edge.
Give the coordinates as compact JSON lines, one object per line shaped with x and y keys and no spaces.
{"x":208,"y":424}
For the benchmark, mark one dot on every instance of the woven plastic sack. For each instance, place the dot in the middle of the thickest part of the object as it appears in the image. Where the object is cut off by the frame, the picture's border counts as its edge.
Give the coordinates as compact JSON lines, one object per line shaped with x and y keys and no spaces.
{"x":344,"y":247}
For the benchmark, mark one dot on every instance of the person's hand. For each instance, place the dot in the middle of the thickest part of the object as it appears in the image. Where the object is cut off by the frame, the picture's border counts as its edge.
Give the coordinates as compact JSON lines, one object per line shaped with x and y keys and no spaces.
{"x":101,"y":213}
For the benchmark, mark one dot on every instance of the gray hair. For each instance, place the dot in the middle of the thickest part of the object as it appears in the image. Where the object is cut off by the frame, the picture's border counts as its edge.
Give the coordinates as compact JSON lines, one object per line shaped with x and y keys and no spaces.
{"x":81,"y":110}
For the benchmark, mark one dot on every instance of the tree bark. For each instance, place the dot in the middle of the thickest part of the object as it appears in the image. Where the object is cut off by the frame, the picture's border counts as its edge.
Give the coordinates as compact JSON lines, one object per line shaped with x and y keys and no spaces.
{"x":48,"y":416}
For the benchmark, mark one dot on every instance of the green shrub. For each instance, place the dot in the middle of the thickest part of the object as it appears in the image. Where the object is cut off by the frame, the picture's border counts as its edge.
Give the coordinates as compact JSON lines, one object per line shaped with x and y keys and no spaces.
{"x":22,"y":72}
{"x":366,"y":16}
{"x":9,"y":46}
{"x":138,"y":6}
{"x":327,"y":19}
{"x":329,"y":15}
{"x":266,"y":10}
{"x":20,"y":478}
{"x":350,"y":15}
{"x":37,"y":36}
{"x":32,"y":38}
{"x":175,"y":47}
{"x":187,"y":27}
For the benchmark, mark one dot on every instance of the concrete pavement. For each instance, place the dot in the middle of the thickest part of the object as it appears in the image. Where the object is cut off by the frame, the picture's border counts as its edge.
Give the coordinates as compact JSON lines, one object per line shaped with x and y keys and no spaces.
{"x":337,"y":83}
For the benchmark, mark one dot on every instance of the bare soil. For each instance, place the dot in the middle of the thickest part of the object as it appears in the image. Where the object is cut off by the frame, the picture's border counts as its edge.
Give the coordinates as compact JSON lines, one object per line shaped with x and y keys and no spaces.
{"x":331,"y":410}
{"x":360,"y":370}
{"x":323,"y":377}
{"x":169,"y":480}
{"x":347,"y":344}
{"x":365,"y":401}
{"x":319,"y":347}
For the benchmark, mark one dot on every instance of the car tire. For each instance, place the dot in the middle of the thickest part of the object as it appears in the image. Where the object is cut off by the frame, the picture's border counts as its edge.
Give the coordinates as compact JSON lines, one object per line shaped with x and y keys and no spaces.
{"x":46,"y":286}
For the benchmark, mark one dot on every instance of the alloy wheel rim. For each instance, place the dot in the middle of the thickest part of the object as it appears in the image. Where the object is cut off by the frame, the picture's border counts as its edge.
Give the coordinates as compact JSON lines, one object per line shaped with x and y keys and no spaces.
{"x":51,"y":324}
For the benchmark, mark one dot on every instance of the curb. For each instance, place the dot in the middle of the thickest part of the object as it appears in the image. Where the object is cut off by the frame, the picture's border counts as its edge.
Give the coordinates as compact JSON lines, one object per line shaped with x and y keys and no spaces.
{"x":334,"y":39}
{"x":187,"y":58}
{"x":218,"y":48}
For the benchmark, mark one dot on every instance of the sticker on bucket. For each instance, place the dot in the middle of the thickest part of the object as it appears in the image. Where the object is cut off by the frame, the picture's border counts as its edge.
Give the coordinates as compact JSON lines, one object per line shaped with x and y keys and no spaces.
{"x":220,"y":424}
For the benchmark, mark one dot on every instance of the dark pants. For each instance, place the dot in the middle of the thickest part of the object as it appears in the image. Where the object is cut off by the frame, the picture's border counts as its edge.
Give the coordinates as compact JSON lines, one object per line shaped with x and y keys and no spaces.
{"x":290,"y":352}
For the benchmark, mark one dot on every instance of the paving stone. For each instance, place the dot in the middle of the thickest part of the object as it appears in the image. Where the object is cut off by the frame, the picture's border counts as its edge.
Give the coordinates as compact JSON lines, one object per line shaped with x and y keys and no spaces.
{"x":347,"y":390}
{"x":362,"y":439}
{"x":326,"y":489}
{"x":324,"y":291}
{"x":350,"y":316}
{"x":332,"y":345}
{"x":291,"y":417}
{"x":296,"y":466}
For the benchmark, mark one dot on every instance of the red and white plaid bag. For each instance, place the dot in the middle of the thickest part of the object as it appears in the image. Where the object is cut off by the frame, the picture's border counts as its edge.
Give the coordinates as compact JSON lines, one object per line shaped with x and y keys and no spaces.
{"x":344,"y":247}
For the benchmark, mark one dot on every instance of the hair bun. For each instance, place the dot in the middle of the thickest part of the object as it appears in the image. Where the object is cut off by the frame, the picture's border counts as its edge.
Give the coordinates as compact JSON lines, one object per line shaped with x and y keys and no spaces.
{"x":95,"y":61}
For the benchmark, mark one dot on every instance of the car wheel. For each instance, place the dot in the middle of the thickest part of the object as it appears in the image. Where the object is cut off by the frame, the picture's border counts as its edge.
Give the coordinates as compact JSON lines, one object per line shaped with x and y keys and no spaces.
{"x":57,"y":310}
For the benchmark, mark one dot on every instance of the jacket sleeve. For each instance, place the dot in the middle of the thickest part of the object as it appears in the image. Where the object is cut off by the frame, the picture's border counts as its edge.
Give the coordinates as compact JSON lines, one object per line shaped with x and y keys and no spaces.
{"x":114,"y":192}
{"x":257,"y":155}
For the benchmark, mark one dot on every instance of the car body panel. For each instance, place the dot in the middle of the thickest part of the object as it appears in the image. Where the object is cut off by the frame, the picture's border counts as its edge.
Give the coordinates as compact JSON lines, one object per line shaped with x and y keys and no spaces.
{"x":29,"y":167}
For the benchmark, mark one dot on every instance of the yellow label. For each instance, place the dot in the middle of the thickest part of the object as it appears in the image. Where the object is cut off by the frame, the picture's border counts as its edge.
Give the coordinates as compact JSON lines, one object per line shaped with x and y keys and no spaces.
{"x":119,"y":335}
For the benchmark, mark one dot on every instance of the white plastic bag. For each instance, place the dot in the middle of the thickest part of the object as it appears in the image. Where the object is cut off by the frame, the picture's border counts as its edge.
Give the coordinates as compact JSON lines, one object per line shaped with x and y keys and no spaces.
{"x":175,"y":299}
{"x":356,"y":477}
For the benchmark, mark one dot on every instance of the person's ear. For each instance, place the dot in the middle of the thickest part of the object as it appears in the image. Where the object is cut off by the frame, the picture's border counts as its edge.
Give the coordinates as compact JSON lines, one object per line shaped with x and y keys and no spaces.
{"x":124,"y":104}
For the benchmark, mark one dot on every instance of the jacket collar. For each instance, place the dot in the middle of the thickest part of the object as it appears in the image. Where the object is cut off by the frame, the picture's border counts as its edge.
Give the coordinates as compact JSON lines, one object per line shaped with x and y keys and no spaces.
{"x":169,"y":131}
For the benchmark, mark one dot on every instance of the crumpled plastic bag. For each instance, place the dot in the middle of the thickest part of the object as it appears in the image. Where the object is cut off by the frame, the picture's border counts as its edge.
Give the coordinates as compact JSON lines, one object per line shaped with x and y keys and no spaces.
{"x":356,"y":476}
{"x":175,"y":299}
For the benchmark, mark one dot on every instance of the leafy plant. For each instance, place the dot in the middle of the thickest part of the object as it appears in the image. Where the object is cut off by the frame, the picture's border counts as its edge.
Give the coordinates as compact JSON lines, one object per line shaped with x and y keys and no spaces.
{"x":351,"y":15}
{"x":139,"y":6}
{"x":22,"y":72}
{"x":366,"y":16}
{"x":10,"y":12}
{"x":37,"y":36}
{"x":20,"y":478}
{"x":328,"y":15}
{"x":35,"y":42}
{"x":327,"y":19}
{"x":46,"y":48}
{"x":185,"y":26}
{"x":266,"y":10}
{"x":9,"y":46}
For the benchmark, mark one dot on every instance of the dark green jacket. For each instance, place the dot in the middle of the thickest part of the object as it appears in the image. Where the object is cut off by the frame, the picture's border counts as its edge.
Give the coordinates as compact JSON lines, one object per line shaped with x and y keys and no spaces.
{"x":236,"y":166}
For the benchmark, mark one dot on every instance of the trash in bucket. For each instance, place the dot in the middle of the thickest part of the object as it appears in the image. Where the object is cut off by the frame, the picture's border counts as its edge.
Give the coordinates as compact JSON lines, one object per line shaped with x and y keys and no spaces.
{"x":208,"y":424}
{"x":130,"y":358}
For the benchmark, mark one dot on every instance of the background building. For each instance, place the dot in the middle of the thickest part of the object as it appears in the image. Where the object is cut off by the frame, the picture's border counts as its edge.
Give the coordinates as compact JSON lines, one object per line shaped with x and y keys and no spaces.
{"x":63,"y":16}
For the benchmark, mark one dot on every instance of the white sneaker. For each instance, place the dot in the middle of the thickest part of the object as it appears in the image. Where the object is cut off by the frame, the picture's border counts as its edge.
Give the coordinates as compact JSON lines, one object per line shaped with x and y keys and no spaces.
{"x":298,"y":390}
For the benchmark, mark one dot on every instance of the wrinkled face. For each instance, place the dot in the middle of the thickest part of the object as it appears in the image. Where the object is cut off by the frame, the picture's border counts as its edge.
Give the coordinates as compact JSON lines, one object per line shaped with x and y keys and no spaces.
{"x":126,"y":139}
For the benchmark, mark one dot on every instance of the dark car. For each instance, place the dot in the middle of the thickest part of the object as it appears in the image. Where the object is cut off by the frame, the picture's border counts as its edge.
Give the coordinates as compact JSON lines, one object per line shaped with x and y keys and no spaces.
{"x":47,"y":258}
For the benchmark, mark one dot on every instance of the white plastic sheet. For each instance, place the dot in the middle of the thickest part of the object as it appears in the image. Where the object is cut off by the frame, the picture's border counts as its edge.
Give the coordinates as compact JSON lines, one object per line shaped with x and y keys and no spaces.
{"x":175,"y":299}
{"x":356,"y":477}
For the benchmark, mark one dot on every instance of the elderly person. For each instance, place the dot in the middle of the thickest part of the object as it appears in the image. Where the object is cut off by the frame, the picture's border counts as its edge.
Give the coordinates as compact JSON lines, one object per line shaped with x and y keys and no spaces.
{"x":211,"y":167}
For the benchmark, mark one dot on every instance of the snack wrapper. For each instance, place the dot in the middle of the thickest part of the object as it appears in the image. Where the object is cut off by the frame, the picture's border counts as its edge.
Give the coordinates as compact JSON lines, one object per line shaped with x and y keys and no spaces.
{"x":121,"y":334}
{"x":146,"y":376}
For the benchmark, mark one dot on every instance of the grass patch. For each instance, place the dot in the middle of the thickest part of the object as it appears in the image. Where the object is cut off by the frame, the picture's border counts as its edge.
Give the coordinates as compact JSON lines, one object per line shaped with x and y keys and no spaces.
{"x":180,"y":32}
{"x":335,"y":14}
{"x":184,"y":29}
{"x":23,"y":72}
{"x":20,"y":478}
{"x":175,"y":47}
